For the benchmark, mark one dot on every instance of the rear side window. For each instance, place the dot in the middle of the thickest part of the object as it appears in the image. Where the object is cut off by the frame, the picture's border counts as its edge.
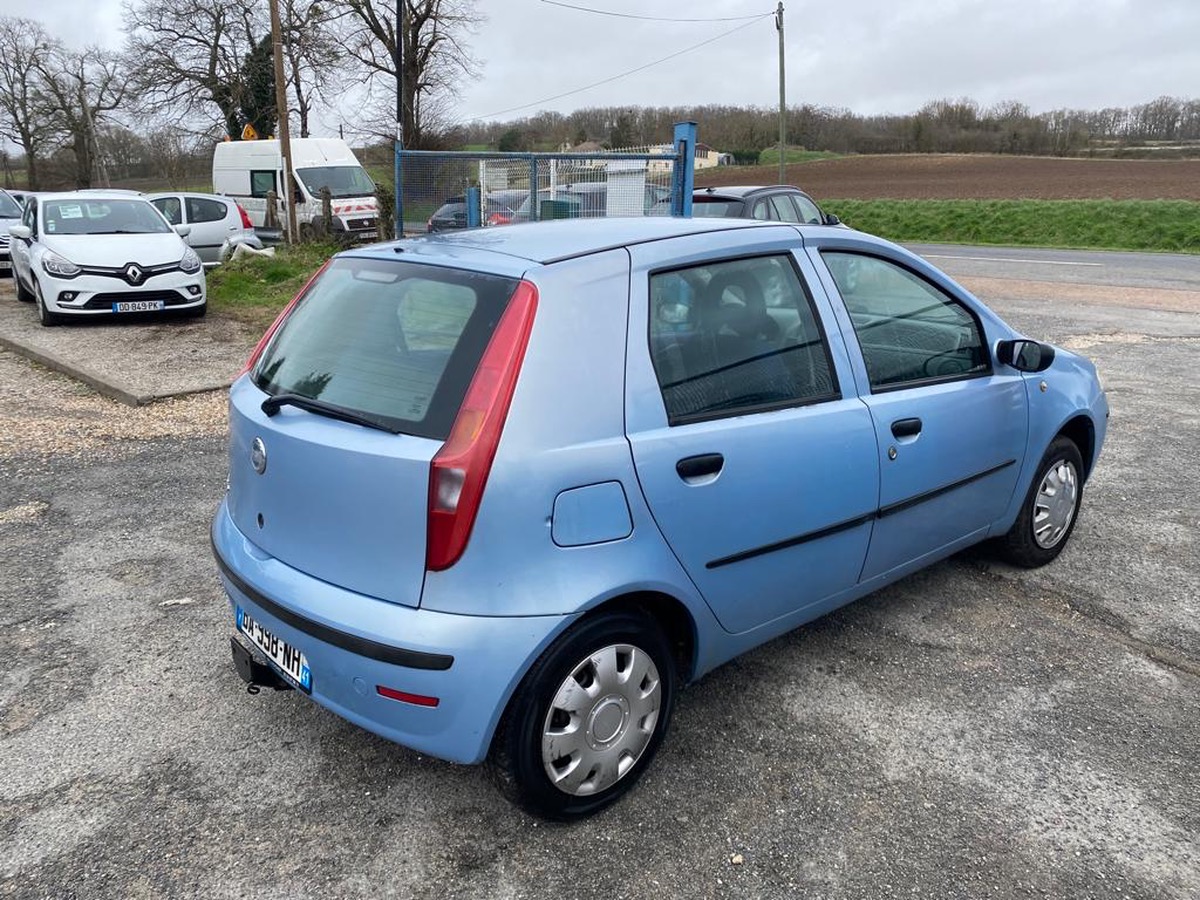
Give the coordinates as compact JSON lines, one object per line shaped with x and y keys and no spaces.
{"x":261,"y":183}
{"x":735,"y":337}
{"x":201,"y":210}
{"x":396,"y":341}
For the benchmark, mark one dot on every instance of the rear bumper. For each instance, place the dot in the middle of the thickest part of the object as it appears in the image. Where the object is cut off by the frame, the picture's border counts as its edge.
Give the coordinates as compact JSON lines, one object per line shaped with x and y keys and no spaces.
{"x":355,"y":643}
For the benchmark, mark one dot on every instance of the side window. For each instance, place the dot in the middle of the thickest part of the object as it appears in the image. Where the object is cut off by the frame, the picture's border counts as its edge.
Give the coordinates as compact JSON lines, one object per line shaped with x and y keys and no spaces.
{"x":169,"y":207}
{"x":261,"y":182}
{"x":784,"y":209}
{"x":909,"y":330}
{"x":735,"y":337}
{"x":762,"y":210}
{"x":809,"y":213}
{"x":201,"y":210}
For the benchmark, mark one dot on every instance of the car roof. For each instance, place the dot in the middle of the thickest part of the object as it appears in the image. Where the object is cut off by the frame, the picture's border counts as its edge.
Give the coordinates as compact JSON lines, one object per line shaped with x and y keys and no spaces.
{"x":741,"y":191}
{"x":89,"y":195}
{"x":548,"y":242}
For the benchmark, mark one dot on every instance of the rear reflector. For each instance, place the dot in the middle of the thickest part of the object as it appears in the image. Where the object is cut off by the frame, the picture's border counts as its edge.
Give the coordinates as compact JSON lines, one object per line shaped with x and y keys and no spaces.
{"x":406,"y":697}
{"x":459,"y":471}
{"x":266,"y":338}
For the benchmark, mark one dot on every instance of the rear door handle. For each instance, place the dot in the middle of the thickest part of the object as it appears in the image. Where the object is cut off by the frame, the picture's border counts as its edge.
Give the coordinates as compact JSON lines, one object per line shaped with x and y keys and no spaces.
{"x":903,"y":428}
{"x":697,"y":468}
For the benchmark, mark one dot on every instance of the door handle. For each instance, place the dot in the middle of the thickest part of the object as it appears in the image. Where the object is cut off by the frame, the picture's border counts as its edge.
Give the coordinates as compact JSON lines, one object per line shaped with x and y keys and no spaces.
{"x":903,"y":428}
{"x":694,"y":468}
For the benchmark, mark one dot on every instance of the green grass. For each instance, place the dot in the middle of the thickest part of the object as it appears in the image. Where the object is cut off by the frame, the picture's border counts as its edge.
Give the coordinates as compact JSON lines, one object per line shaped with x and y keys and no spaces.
{"x":770,"y":156}
{"x":1161,"y":225}
{"x":254,"y":289}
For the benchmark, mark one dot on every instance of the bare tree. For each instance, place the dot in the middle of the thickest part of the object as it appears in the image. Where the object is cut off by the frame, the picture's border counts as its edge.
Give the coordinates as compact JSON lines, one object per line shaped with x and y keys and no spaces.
{"x":28,"y":118}
{"x":191,"y":52}
{"x":313,"y":54}
{"x":435,"y":58}
{"x":83,"y":88}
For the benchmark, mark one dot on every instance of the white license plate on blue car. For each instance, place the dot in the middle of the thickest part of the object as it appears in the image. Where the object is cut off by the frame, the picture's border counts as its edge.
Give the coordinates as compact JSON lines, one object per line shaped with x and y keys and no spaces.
{"x":137,"y":306}
{"x":290,"y":661}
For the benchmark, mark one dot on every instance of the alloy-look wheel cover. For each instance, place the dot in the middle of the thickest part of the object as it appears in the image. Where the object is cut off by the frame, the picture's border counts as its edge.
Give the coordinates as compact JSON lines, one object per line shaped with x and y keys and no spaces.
{"x":1055,"y":504}
{"x":601,"y":719}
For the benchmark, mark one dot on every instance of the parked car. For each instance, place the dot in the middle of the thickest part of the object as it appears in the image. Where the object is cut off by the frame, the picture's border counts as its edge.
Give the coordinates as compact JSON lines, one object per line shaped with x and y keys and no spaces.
{"x":217,"y":224}
{"x":452,"y":214}
{"x":501,"y":495}
{"x":102,"y":254}
{"x":590,"y":199}
{"x":776,"y":203}
{"x":10,"y":214}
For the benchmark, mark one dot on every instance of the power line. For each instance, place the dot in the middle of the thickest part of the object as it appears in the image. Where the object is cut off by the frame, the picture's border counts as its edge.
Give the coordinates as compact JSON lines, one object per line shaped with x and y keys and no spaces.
{"x":611,"y":78}
{"x":617,"y":15}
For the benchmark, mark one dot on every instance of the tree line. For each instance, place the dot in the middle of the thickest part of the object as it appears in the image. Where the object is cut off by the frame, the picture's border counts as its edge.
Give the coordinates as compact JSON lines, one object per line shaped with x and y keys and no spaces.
{"x":191,"y":72}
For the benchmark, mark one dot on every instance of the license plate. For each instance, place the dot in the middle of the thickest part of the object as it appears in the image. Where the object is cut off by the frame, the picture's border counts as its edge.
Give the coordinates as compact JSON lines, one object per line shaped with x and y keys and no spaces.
{"x":366,"y":235}
{"x":137,"y":306}
{"x":286,"y":658}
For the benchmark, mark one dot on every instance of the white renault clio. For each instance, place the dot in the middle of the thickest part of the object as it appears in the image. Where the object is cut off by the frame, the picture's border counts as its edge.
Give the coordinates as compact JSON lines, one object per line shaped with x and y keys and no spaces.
{"x":103,"y":254}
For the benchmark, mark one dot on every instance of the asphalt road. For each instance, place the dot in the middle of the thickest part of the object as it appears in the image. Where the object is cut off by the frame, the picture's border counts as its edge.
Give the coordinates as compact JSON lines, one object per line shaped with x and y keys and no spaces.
{"x":973,"y":731}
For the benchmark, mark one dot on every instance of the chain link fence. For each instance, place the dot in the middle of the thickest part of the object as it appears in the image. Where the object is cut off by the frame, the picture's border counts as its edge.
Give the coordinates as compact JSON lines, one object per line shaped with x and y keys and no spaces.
{"x":446,"y":191}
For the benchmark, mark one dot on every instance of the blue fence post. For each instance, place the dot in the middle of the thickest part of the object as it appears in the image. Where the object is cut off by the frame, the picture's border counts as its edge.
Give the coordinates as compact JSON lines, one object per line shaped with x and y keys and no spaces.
{"x":473,"y":218}
{"x":533,"y":189}
{"x":683,"y":179}
{"x":398,"y":171}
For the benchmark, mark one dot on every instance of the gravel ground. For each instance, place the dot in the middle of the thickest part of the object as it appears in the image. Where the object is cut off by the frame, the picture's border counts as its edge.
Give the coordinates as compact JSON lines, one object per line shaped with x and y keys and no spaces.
{"x":971,"y":732}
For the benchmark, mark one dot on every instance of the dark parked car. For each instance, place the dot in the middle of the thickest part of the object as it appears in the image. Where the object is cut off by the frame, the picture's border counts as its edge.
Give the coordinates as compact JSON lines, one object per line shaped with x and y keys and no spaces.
{"x":499,"y":210}
{"x":776,"y":203}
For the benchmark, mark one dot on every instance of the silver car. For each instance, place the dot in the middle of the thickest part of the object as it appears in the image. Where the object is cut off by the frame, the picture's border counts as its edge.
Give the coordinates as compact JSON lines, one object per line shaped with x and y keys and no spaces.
{"x":217,"y":223}
{"x":10,"y":214}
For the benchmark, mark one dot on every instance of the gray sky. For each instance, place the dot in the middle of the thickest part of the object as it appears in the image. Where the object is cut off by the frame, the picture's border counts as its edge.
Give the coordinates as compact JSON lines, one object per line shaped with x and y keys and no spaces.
{"x":871,"y":56}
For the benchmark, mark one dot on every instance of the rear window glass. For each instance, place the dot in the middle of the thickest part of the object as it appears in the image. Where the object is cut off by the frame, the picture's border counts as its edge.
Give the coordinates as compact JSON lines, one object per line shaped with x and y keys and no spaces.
{"x":396,"y":341}
{"x":717,"y":209}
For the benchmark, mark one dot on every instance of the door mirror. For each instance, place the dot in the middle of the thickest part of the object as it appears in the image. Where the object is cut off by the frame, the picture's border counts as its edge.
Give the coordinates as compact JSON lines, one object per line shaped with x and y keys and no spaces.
{"x":1025,"y":356}
{"x":831,"y":219}
{"x":20,"y":231}
{"x":183,"y":230}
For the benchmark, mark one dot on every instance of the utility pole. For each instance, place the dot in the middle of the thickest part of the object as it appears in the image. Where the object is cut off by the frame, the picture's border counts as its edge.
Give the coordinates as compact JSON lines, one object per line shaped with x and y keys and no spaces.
{"x":782,"y":100}
{"x":399,"y":63}
{"x":281,"y":111}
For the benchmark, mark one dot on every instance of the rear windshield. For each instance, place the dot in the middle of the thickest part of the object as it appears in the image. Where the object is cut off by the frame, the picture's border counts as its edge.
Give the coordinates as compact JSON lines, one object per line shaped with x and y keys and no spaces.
{"x":717,"y":208}
{"x":396,"y":341}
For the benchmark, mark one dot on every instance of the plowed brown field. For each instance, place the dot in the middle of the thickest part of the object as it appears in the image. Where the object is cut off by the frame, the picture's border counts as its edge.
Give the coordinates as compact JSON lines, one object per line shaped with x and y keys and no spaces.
{"x":982,"y":177}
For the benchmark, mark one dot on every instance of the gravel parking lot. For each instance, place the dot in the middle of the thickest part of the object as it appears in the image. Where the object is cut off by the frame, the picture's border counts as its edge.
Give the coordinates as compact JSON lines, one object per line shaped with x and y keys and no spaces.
{"x":973,"y":731}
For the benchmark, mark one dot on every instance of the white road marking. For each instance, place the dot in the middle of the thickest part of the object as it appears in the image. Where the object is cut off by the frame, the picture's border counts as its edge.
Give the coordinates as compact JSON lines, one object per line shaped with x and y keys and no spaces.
{"x":1006,"y":259}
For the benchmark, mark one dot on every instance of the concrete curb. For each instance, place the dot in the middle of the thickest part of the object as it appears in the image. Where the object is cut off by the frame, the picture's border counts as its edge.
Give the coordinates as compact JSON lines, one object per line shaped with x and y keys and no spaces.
{"x":97,"y":382}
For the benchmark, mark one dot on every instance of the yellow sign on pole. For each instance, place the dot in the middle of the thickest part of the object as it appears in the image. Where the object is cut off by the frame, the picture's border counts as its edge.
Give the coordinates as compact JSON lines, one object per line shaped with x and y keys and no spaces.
{"x":248,"y":133}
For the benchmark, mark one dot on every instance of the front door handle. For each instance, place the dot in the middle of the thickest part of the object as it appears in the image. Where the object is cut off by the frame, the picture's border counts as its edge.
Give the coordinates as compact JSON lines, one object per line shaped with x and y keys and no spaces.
{"x":703,"y":466}
{"x":903,"y":428}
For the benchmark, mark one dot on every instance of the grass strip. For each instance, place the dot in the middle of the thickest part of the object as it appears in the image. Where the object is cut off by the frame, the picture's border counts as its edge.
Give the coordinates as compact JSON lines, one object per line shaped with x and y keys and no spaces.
{"x":1157,"y":225}
{"x":253,"y":289}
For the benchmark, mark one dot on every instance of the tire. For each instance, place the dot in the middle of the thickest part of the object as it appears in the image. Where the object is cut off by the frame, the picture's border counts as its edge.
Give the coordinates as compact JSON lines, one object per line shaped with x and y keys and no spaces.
{"x":613,"y":678}
{"x":47,"y":318}
{"x":196,"y":312}
{"x":1050,"y":510}
{"x":23,"y":293}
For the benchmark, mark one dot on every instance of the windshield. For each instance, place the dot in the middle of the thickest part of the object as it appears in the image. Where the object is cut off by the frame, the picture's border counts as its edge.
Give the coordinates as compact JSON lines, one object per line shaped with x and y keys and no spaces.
{"x":88,"y":216}
{"x":396,"y":342}
{"x":342,"y":181}
{"x":9,"y":209}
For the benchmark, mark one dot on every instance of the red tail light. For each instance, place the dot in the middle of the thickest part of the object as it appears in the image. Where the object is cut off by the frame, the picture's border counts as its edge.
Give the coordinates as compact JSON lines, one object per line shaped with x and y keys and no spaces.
{"x":246,"y":223}
{"x":265,"y":339}
{"x":499,"y":218}
{"x":460,"y":469}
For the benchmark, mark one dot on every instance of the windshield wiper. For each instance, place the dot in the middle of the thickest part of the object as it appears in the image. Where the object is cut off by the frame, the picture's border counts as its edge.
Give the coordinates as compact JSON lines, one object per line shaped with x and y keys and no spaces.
{"x":271,"y":406}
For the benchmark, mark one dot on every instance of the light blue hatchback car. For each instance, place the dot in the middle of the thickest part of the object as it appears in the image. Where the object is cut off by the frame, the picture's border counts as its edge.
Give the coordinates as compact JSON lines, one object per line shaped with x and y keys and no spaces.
{"x":497,"y":495}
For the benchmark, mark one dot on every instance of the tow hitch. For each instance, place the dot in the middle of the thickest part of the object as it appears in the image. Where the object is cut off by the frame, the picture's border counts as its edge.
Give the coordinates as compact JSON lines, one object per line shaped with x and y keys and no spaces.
{"x":257,"y":675}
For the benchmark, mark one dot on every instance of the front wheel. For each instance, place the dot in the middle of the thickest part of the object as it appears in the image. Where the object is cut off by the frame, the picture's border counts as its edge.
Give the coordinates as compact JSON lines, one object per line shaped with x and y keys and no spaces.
{"x":1051,"y":507}
{"x":23,"y":293}
{"x":586,"y":721}
{"x":47,"y":318}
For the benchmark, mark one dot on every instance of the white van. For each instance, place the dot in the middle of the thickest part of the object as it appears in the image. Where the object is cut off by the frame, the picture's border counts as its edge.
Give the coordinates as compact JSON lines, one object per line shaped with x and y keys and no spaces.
{"x":247,"y":170}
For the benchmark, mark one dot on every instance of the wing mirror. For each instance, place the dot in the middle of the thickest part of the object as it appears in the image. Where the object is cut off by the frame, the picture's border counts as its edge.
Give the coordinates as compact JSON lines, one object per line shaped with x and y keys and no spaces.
{"x":182,"y":230}
{"x":1024,"y":355}
{"x":20,"y":231}
{"x":831,"y":219}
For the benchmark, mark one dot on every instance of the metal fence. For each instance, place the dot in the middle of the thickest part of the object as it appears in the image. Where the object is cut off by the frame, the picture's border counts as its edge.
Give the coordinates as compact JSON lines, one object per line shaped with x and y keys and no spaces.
{"x":445,"y":191}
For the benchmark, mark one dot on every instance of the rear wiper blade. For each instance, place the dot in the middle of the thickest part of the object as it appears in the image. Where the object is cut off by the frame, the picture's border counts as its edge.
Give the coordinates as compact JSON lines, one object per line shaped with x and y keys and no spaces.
{"x":271,"y":406}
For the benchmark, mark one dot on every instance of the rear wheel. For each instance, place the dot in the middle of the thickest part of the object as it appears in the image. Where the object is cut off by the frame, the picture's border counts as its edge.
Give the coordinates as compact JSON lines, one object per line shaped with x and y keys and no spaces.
{"x":588,"y":718}
{"x":1050,"y":510}
{"x":46,"y":317}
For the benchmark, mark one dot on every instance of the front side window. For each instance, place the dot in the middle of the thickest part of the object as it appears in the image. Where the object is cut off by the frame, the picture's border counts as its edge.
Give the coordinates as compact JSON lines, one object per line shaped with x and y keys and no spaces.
{"x":170,"y":208}
{"x":397,"y":342}
{"x":9,"y":209}
{"x":909,"y":330}
{"x":734,"y":337}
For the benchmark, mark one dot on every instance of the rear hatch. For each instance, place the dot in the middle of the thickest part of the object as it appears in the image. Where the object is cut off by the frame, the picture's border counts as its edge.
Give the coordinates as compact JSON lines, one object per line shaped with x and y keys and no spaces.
{"x":351,"y":398}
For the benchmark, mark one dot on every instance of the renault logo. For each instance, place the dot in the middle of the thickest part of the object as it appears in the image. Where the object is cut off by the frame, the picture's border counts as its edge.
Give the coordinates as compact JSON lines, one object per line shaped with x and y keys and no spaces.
{"x":258,"y":455}
{"x":133,"y":274}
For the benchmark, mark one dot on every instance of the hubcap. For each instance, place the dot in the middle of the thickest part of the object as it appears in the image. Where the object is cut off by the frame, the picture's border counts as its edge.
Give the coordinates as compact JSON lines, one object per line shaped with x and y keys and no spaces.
{"x":601,"y":719}
{"x":1054,"y":505}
